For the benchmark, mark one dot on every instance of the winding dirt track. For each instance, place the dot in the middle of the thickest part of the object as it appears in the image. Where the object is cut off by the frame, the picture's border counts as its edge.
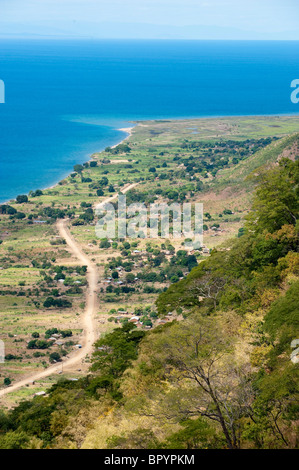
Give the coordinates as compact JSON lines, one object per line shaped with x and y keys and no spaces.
{"x":88,"y":321}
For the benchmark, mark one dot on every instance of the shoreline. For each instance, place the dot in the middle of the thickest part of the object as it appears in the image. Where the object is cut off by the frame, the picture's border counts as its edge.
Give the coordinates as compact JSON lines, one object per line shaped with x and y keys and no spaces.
{"x":127,"y":130}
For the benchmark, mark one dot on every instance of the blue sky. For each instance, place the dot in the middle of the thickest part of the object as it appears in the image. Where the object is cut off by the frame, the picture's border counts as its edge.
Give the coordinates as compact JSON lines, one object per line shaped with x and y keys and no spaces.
{"x":258,"y":18}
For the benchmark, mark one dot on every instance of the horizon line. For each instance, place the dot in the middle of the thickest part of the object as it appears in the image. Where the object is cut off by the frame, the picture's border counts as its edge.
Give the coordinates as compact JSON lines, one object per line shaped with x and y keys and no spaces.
{"x":36,"y":37}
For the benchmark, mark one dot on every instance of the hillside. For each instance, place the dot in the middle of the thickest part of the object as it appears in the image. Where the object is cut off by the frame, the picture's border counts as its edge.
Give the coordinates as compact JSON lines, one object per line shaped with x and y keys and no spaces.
{"x":206,"y":363}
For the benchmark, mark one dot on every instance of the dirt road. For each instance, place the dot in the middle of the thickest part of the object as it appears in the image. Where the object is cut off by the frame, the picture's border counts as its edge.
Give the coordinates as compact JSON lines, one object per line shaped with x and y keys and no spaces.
{"x":88,"y":320}
{"x":89,"y":333}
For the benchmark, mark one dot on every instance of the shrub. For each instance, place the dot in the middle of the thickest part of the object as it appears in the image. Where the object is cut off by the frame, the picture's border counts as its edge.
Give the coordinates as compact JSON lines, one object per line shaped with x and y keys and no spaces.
{"x":22,"y":198}
{"x":54,"y":357}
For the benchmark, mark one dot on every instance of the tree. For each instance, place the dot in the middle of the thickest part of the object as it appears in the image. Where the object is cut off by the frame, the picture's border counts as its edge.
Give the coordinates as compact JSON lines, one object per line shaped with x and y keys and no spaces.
{"x":130,"y":278}
{"x":114,"y":353}
{"x":78,"y":168}
{"x":38,"y":344}
{"x":197,"y":358}
{"x":37,"y":193}
{"x":6,"y":209}
{"x":59,"y":303}
{"x":66,"y":333}
{"x":51,"y":332}
{"x":20,"y":215}
{"x":7,"y":381}
{"x":105,"y":243}
{"x":22,"y":198}
{"x":137,"y":439}
{"x":54,"y":357}
{"x":276,"y":199}
{"x":104,"y":181}
{"x":195,"y":434}
{"x":208,"y":287}
{"x":14,"y":440}
{"x":88,"y":215}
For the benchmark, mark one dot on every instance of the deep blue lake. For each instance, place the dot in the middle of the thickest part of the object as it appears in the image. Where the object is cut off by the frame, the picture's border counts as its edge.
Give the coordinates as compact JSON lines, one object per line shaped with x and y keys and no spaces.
{"x":66,"y":99}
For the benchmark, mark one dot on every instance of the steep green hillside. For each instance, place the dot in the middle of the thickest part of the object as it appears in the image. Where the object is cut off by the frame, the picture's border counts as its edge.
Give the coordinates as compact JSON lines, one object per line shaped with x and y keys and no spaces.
{"x":219,"y":376}
{"x":285,"y":147}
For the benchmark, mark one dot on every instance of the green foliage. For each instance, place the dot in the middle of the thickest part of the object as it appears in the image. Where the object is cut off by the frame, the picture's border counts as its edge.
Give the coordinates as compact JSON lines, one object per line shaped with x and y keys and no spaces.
{"x":116,"y":350}
{"x":229,"y":277}
{"x":284,"y":313}
{"x":114,"y":353}
{"x":54,"y":357}
{"x":185,"y":372}
{"x":14,"y":440}
{"x":21,"y":199}
{"x":195,"y":434}
{"x":78,"y":168}
{"x":38,"y":344}
{"x":6,"y":209}
{"x":37,"y":193}
{"x":59,"y":303}
{"x":277,"y":198}
{"x":50,"y":332}
{"x":105,"y":243}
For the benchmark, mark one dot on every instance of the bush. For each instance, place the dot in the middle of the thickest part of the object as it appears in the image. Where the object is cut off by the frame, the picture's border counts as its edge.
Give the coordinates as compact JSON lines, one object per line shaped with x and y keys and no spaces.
{"x":20,"y":215}
{"x":284,"y":312}
{"x":105,"y":244}
{"x":22,"y":198}
{"x":50,"y":332}
{"x":66,"y":333}
{"x":38,"y":344}
{"x":37,"y":193}
{"x":54,"y":357}
{"x":59,"y":303}
{"x":78,"y":168}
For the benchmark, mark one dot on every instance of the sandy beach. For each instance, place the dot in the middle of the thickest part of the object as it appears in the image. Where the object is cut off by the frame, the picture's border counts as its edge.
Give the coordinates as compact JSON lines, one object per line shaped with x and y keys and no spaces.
{"x":128,"y":130}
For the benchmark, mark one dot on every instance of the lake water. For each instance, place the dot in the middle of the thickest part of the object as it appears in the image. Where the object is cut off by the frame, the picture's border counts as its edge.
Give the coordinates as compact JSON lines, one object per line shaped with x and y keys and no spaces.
{"x":66,"y":99}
